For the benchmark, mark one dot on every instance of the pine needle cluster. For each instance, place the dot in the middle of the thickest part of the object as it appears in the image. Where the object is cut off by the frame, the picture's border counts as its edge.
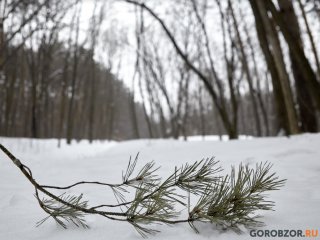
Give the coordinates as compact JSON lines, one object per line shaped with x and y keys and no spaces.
{"x":62,"y":213}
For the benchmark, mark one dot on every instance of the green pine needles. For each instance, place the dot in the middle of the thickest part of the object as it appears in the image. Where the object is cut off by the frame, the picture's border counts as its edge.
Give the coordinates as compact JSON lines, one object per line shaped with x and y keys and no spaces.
{"x":62,"y":213}
{"x":192,"y":193}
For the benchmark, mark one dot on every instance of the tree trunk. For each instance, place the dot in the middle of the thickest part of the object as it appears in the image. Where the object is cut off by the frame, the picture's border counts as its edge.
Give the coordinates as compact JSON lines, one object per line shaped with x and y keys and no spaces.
{"x":313,"y":46}
{"x":271,"y":48}
{"x":289,"y":32}
{"x":70,"y":117}
{"x":281,"y":109}
{"x":307,"y":110}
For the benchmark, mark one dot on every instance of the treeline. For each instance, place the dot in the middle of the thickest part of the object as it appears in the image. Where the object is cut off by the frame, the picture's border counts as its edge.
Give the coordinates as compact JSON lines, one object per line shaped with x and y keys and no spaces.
{"x":39,"y":100}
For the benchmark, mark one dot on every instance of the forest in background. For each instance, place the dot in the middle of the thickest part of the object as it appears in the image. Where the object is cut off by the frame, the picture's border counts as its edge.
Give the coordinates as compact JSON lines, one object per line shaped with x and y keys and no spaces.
{"x":198,"y":67}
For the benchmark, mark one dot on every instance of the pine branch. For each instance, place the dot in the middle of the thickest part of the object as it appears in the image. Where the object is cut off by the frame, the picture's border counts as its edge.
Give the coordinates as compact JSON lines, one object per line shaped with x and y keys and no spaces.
{"x":227,"y":201}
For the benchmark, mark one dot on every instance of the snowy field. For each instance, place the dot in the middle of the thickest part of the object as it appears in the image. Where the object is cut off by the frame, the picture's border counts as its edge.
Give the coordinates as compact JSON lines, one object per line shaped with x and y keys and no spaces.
{"x":297,"y":159}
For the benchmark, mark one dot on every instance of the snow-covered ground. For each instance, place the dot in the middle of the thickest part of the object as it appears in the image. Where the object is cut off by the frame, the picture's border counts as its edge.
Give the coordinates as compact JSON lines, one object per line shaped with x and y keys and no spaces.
{"x":297,"y":159}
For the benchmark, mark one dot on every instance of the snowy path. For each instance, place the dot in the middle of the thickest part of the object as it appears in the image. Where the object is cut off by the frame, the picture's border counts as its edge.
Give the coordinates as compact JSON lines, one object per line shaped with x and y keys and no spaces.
{"x":296,"y":159}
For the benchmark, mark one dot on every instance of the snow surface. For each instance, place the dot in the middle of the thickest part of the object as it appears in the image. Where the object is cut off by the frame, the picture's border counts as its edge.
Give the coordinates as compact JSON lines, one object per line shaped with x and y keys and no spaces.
{"x":296,"y":159}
